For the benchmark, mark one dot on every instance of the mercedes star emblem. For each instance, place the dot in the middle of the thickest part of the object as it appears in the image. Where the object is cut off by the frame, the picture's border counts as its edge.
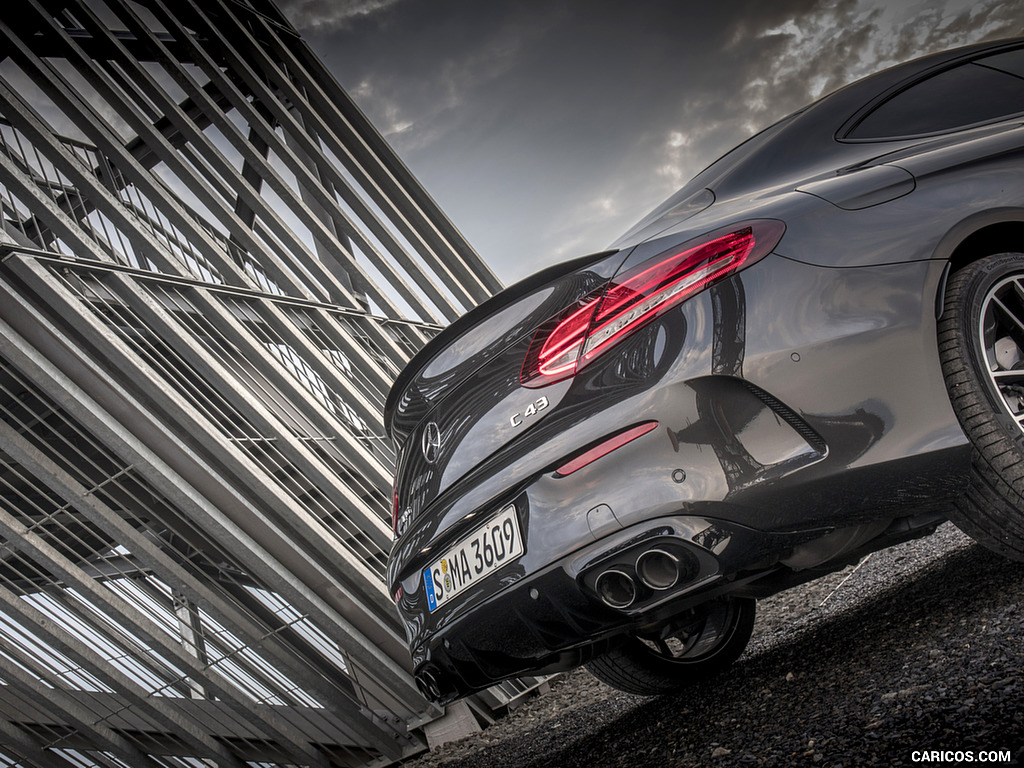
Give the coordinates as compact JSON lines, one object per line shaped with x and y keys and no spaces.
{"x":431,"y":442}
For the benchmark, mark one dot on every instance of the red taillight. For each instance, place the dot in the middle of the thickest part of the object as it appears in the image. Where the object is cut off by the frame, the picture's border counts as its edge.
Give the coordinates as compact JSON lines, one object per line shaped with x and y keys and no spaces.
{"x":650,"y":289}
{"x":555,"y":349}
{"x":599,"y":321}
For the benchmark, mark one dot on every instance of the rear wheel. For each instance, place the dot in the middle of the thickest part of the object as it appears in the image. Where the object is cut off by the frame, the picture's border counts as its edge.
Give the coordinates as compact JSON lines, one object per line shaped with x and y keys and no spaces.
{"x":708,"y":642}
{"x":981,"y":346}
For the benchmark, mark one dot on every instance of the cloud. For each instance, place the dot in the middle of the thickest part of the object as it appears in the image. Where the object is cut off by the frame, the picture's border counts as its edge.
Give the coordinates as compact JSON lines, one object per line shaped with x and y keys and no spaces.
{"x":774,"y":70}
{"x":322,"y":16}
{"x":763,"y":69}
{"x":546,"y":128}
{"x":389,"y":116}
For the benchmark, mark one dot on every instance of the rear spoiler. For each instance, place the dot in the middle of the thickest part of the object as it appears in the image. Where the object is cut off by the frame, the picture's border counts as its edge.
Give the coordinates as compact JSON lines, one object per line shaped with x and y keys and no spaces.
{"x":400,"y":422}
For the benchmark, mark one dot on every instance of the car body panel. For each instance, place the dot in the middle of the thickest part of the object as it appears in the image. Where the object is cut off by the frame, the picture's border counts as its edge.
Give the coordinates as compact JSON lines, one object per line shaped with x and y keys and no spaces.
{"x":793,"y":413}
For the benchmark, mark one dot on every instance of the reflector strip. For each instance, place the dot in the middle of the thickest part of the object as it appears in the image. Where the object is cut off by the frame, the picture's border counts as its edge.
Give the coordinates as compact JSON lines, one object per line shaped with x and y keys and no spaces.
{"x":604,"y":448}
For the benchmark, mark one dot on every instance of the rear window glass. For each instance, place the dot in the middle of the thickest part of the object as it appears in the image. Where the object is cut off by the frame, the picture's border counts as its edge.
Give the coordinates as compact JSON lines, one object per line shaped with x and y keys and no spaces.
{"x":966,"y":95}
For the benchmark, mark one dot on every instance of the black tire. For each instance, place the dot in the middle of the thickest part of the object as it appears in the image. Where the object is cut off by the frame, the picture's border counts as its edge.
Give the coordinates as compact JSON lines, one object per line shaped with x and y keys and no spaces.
{"x":988,"y":395}
{"x":712,"y":641}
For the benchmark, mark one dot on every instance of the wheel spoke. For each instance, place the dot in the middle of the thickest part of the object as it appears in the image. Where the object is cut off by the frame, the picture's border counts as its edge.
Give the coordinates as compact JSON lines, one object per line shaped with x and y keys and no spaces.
{"x":1018,"y":289}
{"x":1017,"y":329}
{"x":1003,"y":316}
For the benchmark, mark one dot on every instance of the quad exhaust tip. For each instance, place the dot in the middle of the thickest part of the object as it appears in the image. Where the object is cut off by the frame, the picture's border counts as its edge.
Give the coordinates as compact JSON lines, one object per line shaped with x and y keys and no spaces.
{"x":426,"y":682}
{"x":616,"y":588}
{"x":658,"y":569}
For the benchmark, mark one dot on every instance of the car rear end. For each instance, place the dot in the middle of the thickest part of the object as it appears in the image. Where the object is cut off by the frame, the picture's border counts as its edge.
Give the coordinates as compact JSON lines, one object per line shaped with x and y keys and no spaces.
{"x":537,"y":500}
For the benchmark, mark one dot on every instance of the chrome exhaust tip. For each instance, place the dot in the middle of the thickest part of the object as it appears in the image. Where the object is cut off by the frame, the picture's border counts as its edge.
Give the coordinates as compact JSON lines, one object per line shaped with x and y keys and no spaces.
{"x":427,"y":684}
{"x":616,"y":588}
{"x":658,"y":569}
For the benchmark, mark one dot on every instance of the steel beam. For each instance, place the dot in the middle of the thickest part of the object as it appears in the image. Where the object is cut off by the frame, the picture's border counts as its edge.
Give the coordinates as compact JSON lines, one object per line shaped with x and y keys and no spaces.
{"x":104,"y":407}
{"x":215,"y":283}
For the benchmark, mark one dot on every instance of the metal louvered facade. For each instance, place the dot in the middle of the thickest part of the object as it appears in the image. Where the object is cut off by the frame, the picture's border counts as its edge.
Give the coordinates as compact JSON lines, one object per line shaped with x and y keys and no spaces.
{"x":211,"y":269}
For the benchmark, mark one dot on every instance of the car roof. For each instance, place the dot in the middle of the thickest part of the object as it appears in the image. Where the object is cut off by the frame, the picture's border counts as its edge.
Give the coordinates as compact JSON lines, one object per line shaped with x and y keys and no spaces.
{"x":810,"y":141}
{"x":815,"y":129}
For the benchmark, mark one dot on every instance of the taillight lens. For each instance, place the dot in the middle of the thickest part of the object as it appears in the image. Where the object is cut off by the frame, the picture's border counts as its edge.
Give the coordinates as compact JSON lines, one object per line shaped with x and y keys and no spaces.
{"x":555,"y":349}
{"x":600,"y":320}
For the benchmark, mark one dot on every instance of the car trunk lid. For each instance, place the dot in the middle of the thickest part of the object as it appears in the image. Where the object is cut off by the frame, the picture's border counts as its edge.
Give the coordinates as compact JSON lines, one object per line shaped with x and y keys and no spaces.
{"x":460,"y":399}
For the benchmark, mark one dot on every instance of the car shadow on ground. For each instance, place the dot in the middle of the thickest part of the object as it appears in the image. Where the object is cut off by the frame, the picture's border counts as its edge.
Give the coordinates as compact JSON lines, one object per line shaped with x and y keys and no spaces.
{"x":932,"y":662}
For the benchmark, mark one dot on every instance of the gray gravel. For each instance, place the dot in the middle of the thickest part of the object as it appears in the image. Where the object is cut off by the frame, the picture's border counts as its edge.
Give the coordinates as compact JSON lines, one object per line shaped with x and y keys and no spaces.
{"x":919,"y":647}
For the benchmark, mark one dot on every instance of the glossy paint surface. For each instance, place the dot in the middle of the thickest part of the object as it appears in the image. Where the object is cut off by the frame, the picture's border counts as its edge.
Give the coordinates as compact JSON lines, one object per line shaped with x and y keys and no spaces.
{"x":802,"y":415}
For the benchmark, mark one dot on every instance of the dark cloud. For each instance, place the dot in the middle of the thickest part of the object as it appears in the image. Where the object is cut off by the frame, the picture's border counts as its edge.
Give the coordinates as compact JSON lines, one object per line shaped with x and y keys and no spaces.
{"x":545,"y":128}
{"x":331,"y":16}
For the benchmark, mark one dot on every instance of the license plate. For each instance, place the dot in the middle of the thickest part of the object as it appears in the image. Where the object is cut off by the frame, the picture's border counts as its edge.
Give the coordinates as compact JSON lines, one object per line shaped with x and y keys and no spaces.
{"x":475,"y":557}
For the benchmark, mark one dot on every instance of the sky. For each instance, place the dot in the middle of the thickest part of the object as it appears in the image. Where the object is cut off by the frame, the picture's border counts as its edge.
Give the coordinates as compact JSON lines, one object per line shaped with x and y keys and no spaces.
{"x":545,"y":129}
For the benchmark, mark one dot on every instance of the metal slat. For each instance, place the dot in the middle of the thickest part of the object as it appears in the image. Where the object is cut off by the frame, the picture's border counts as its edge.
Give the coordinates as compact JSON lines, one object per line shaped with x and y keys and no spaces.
{"x":335,"y":700}
{"x":71,"y":575}
{"x":213,"y":309}
{"x":170,"y":331}
{"x":30,"y":751}
{"x":314,"y":188}
{"x":158,"y":145}
{"x":241,"y":398}
{"x":302,"y":258}
{"x":221,"y":493}
{"x":194,"y":480}
{"x":81,"y":717}
{"x":105,"y":395}
{"x":374,"y":163}
{"x":139,"y":699}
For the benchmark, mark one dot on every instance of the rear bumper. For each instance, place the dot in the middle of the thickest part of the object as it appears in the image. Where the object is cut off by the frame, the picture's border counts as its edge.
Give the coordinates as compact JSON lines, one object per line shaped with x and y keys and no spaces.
{"x":555,"y":619}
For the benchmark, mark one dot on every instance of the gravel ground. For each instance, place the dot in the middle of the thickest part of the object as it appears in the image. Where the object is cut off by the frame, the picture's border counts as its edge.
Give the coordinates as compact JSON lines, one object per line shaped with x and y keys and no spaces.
{"x":917,"y":648}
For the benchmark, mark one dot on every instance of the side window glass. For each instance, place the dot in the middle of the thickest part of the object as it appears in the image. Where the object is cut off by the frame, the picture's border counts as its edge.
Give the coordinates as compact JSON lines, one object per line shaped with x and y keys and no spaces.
{"x":982,"y":91}
{"x":1011,"y":62}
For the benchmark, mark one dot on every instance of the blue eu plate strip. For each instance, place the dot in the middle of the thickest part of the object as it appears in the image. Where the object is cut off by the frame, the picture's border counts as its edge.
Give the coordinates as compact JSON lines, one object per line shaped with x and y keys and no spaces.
{"x":428,"y":582}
